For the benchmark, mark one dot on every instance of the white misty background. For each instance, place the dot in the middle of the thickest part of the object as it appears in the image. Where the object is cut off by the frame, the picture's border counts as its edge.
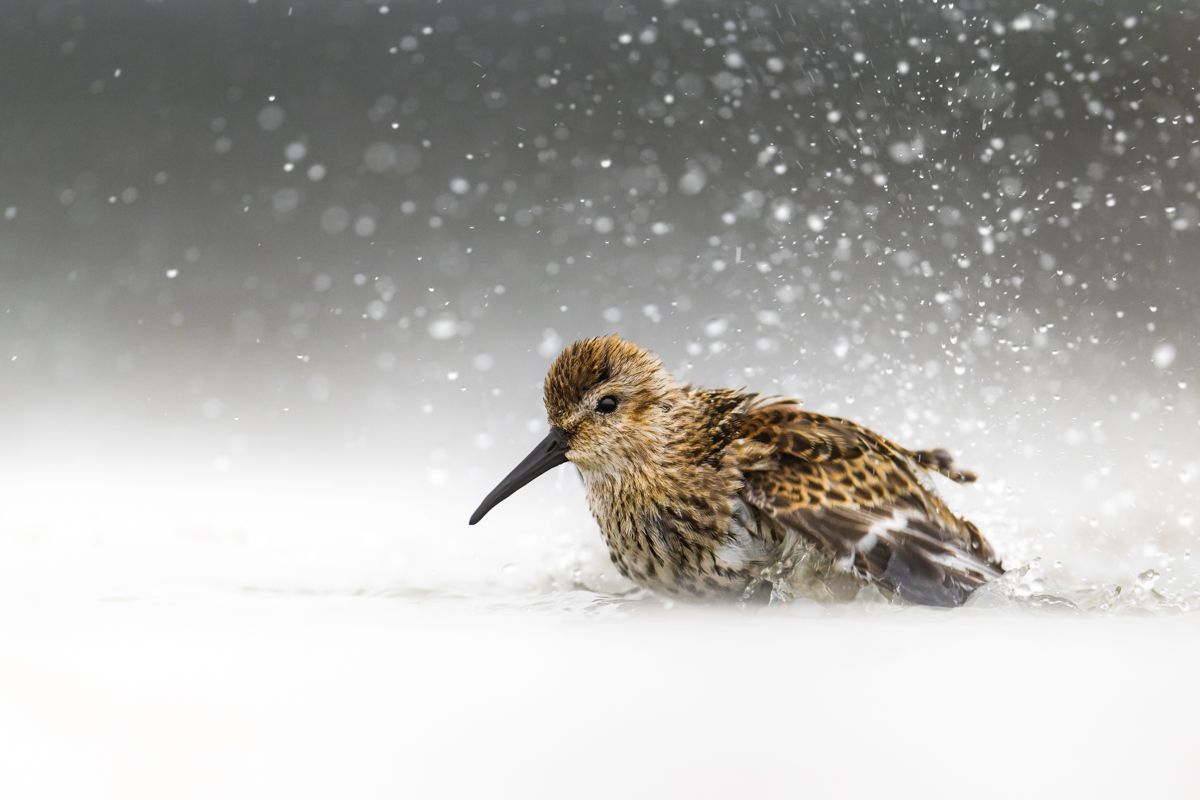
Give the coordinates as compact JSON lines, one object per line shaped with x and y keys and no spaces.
{"x":279,"y":284}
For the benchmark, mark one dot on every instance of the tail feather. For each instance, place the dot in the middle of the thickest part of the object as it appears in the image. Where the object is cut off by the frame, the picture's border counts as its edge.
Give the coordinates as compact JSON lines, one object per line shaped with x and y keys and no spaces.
{"x":941,"y":462}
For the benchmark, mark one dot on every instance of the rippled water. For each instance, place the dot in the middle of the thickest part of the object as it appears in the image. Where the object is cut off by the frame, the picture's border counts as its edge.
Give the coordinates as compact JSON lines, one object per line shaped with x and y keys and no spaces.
{"x":167,"y":524}
{"x":397,"y":692}
{"x":1026,"y":589}
{"x":1023,"y":589}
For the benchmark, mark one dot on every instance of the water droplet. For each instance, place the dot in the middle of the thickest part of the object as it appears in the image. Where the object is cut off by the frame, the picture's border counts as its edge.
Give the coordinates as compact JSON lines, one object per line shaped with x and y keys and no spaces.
{"x":1146,"y":580}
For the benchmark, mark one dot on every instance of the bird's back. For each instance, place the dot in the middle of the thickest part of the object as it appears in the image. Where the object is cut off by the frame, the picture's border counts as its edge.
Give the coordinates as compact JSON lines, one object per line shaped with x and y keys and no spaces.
{"x":861,"y":499}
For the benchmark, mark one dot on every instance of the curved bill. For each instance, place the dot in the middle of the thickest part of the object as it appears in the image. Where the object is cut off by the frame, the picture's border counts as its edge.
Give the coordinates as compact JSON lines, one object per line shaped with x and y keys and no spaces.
{"x":549,"y":454}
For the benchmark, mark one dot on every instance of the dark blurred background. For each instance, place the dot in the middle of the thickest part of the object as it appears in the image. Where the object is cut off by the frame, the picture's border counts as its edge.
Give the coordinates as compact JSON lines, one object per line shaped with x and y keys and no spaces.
{"x":359,"y":231}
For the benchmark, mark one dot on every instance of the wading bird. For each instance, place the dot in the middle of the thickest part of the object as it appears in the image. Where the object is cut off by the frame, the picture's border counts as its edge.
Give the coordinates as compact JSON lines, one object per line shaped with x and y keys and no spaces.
{"x":717,"y":493}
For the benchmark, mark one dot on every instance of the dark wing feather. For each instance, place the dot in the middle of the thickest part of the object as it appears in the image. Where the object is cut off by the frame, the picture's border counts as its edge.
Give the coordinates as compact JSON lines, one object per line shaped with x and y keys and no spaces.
{"x":859,"y":497}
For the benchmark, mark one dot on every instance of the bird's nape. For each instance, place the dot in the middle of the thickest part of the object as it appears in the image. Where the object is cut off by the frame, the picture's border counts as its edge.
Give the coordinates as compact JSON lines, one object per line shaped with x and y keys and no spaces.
{"x":551,"y":452}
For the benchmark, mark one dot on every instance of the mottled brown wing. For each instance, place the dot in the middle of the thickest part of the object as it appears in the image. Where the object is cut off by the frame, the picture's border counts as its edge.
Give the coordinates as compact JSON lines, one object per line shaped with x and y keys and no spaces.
{"x":859,"y":497}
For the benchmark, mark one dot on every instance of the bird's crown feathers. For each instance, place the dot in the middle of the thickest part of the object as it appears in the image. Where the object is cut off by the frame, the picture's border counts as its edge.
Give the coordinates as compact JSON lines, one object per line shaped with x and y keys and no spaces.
{"x":588,"y":363}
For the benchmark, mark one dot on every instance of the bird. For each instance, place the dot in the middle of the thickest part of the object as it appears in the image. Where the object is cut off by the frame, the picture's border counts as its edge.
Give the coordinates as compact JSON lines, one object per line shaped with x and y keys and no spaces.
{"x":722,"y":494}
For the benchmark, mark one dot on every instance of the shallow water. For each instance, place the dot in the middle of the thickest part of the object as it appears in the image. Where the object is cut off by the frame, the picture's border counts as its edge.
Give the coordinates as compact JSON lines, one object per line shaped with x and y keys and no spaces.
{"x":312,"y":695}
{"x":316,"y":627}
{"x":306,"y":633}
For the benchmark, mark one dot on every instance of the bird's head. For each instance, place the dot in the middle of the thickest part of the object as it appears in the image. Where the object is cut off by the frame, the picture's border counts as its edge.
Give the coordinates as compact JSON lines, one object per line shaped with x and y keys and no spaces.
{"x":609,"y":403}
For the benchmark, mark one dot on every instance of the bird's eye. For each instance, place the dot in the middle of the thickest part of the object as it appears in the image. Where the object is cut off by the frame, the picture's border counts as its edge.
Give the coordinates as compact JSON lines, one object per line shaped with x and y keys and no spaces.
{"x":607,"y":404}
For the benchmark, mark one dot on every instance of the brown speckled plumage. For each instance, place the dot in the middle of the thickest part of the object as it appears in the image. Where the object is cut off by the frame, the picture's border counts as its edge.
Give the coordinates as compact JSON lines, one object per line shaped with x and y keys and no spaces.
{"x":706,"y":494}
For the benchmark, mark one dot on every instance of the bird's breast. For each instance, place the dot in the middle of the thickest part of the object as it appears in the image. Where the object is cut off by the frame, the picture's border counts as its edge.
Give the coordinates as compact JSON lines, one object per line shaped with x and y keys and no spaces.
{"x":664,"y":548}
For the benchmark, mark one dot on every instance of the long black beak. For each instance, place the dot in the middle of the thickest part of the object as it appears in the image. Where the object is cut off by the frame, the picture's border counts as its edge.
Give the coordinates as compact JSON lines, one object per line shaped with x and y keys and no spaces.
{"x":546,"y":456}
